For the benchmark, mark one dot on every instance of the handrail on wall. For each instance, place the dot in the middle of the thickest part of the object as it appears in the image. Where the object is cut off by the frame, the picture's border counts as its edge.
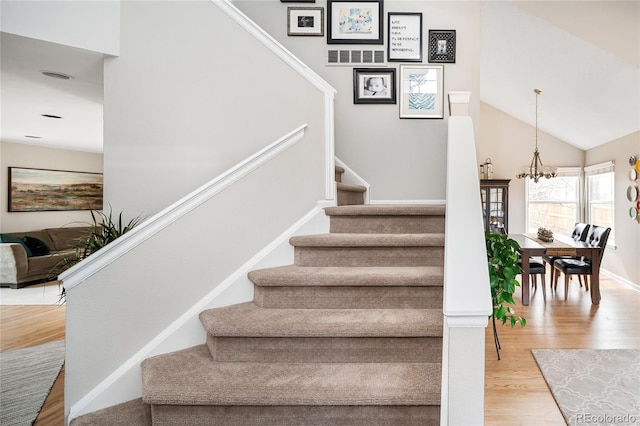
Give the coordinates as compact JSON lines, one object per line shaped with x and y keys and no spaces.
{"x":467,"y":297}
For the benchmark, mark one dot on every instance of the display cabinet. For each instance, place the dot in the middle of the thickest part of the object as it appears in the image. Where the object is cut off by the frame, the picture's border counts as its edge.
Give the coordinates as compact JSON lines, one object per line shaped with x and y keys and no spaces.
{"x":495,"y":205}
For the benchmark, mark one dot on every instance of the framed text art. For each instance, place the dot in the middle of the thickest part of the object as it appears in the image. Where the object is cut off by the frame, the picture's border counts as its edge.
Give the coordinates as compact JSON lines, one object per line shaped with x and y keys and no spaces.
{"x":305,"y":21}
{"x":405,"y":37}
{"x":33,"y":190}
{"x":354,"y":22}
{"x":374,"y":85}
{"x":442,"y":46}
{"x":421,"y":91}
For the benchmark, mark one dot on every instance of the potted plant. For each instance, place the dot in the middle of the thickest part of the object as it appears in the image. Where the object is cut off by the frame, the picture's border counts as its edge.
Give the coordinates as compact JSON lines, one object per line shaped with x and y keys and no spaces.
{"x":103,"y":229}
{"x":502,"y":259}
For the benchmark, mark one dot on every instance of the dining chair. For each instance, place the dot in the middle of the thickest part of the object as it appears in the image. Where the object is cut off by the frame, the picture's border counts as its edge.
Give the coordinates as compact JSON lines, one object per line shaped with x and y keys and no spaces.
{"x":579,"y":233}
{"x":598,"y":237}
{"x":535,"y":268}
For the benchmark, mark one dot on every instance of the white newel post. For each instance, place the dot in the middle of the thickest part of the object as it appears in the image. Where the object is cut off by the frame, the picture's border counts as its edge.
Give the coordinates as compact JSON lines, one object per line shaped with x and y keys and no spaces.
{"x":467,"y":296}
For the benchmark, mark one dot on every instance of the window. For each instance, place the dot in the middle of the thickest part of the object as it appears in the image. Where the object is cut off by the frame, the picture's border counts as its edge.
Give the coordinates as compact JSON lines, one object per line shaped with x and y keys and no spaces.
{"x":600,"y":196}
{"x":554,"y":203}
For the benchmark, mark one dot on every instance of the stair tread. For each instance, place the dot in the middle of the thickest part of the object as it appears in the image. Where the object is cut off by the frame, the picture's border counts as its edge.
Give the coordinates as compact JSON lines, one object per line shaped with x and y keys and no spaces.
{"x":368,"y":240}
{"x":250,"y":320}
{"x":192,"y":377}
{"x":350,"y":187}
{"x":300,"y":276}
{"x":387,"y":210}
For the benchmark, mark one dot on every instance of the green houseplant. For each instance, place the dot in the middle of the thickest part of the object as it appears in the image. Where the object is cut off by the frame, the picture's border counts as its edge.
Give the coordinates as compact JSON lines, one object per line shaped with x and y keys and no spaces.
{"x":103,"y":229}
{"x":502,"y":259}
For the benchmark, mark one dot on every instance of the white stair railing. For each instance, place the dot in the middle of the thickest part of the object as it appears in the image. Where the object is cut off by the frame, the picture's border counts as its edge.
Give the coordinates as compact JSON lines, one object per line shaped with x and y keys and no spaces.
{"x":467,"y":295}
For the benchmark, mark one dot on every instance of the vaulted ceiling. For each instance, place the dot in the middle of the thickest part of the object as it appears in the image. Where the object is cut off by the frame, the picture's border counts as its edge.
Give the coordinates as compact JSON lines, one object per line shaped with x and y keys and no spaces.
{"x":583,"y":55}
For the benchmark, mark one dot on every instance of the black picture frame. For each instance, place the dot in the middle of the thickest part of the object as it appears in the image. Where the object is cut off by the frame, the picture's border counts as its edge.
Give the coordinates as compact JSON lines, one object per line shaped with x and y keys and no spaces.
{"x":384,"y":79}
{"x":404,"y":33}
{"x":442,"y":46}
{"x":344,"y":26}
{"x":305,"y":21}
{"x":39,"y":190}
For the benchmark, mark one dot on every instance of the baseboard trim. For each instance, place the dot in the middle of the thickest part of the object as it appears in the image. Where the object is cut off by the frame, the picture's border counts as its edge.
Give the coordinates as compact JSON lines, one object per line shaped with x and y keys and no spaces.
{"x":624,"y":281}
{"x":119,"y":385}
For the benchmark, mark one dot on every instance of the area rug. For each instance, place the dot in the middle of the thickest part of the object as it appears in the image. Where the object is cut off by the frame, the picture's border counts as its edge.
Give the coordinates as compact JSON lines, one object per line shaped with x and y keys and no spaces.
{"x":26,"y":377}
{"x":596,"y":387}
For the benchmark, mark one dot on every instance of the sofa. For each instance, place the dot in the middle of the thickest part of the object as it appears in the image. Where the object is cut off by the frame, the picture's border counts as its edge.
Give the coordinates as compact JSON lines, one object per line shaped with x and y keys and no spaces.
{"x":31,"y":257}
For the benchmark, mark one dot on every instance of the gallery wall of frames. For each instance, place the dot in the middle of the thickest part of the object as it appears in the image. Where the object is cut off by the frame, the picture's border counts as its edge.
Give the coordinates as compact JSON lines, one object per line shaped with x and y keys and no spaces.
{"x":416,"y":86}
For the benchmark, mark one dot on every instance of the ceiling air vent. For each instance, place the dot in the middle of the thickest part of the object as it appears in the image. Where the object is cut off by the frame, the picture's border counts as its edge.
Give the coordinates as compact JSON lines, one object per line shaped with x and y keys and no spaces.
{"x":355,"y":57}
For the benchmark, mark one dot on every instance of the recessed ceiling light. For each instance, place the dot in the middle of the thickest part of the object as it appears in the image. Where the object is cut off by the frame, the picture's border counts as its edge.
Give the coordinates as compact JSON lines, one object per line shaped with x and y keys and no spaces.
{"x":50,"y":116}
{"x":55,"y":74}
{"x":33,"y":137}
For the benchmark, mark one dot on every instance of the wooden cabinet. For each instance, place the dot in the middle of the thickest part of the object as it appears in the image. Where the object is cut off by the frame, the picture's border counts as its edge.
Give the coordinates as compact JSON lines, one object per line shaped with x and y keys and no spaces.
{"x":495,"y":205}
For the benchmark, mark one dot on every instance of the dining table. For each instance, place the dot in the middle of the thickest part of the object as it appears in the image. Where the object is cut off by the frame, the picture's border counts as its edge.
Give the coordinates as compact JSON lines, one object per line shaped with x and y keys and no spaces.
{"x":562,"y":245}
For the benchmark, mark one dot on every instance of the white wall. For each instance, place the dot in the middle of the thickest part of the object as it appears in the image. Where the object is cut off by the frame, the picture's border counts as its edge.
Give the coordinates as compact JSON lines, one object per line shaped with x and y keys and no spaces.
{"x":401,"y":159}
{"x":181,"y":107}
{"x":624,"y":260}
{"x":30,"y":156}
{"x":510,"y":143}
{"x":90,"y":25}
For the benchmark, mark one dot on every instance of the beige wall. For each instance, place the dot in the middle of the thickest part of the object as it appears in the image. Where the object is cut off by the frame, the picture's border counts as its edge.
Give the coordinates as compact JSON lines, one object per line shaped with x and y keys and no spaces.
{"x":510,"y":143}
{"x":402,"y":159}
{"x":624,"y":260}
{"x":31,"y":156}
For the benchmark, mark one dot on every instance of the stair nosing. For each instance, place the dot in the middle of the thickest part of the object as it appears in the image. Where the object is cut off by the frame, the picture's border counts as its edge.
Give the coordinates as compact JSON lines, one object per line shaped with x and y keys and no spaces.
{"x":250,"y":320}
{"x":368,"y":240}
{"x":249,"y":383}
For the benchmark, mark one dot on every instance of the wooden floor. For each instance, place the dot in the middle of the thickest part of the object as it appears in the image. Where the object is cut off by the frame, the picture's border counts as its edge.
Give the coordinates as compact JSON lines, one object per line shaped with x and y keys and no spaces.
{"x":516,"y":393}
{"x":25,"y":326}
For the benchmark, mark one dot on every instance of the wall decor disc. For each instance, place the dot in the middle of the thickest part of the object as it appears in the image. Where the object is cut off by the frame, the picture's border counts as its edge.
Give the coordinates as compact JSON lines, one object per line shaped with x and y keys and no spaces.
{"x":632,"y":193}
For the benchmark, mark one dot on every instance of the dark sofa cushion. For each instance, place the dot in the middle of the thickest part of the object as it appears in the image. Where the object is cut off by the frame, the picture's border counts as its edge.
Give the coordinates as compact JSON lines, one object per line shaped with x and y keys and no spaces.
{"x":4,"y":238}
{"x":37,"y":246}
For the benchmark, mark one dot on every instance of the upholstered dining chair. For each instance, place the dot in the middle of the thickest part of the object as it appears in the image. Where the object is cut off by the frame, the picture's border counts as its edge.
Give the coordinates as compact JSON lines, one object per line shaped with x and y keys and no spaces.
{"x":598,"y":236}
{"x":579,"y":233}
{"x":535,"y":268}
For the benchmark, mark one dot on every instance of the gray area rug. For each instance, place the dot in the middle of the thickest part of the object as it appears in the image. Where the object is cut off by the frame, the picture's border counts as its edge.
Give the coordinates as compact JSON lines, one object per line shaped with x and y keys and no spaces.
{"x":596,"y":387}
{"x":26,"y":377}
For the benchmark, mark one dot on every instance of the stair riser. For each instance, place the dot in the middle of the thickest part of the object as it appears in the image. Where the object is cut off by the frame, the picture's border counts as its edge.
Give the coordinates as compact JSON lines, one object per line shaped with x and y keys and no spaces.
{"x":325,"y":349}
{"x":171,"y":415}
{"x":350,"y":198}
{"x":332,"y":297}
{"x":387,"y":224}
{"x":369,"y":256}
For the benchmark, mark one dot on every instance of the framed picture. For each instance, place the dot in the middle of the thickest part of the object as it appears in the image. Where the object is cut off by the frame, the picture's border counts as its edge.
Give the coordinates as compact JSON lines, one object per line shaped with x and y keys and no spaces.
{"x":442,"y":46}
{"x":305,"y":21}
{"x":354,"y":22}
{"x":421,"y":91}
{"x":34,"y":190}
{"x":374,"y":85}
{"x":405,"y":37}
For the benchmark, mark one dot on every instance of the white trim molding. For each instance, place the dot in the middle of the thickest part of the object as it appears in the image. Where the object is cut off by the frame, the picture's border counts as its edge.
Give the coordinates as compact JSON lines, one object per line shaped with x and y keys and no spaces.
{"x":103,"y":257}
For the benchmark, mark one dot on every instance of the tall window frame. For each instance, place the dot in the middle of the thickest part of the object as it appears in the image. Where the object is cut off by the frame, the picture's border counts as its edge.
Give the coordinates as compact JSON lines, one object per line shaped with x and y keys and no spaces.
{"x":600,"y":201}
{"x":562,"y":196}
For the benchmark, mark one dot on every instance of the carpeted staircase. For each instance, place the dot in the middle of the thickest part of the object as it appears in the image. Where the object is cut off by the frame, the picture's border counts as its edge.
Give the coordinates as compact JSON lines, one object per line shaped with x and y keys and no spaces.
{"x":349,"y":334}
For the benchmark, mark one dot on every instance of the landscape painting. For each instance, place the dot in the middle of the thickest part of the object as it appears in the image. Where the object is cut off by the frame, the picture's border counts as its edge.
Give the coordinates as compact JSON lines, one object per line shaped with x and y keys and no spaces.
{"x":33,"y":190}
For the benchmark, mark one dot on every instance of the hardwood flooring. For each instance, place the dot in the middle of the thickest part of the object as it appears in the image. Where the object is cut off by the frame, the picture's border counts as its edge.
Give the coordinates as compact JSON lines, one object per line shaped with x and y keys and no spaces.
{"x":515,"y":392}
{"x":24,"y":326}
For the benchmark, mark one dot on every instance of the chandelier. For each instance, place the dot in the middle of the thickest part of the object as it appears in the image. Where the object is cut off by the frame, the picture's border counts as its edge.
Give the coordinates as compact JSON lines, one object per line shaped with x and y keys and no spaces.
{"x":536,"y":169}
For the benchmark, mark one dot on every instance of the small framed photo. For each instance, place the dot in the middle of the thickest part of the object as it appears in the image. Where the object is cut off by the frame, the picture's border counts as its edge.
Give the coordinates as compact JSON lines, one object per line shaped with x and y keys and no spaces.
{"x":421,"y":91}
{"x":374,"y":85}
{"x":354,"y":22}
{"x":305,"y":21}
{"x":442,"y":46}
{"x":405,"y":37}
